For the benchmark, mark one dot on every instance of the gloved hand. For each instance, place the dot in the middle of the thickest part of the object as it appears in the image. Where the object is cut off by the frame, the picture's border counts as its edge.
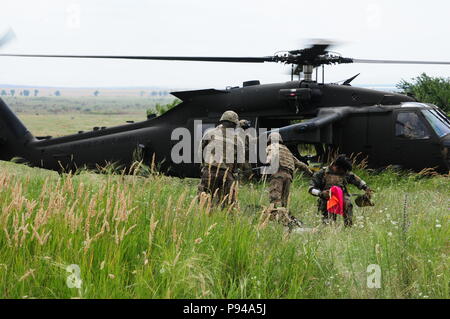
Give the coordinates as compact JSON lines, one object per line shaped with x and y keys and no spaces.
{"x":325,"y":195}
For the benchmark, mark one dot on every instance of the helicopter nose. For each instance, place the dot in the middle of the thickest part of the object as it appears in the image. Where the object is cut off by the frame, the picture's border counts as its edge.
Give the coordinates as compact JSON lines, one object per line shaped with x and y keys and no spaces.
{"x":446,"y":150}
{"x":446,"y":154}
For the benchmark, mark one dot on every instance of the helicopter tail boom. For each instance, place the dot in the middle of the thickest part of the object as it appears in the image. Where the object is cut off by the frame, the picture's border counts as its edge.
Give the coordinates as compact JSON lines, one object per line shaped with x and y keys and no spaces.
{"x":14,"y":136}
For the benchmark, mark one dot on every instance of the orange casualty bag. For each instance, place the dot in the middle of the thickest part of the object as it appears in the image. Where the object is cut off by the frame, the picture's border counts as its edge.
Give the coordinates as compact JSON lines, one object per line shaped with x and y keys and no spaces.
{"x":335,"y":205}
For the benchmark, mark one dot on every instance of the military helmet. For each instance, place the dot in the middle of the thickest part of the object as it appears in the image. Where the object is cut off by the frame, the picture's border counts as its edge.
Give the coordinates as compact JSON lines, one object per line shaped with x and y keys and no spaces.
{"x":276,"y":137}
{"x":230,"y":116}
{"x":244,"y":124}
{"x":363,"y":201}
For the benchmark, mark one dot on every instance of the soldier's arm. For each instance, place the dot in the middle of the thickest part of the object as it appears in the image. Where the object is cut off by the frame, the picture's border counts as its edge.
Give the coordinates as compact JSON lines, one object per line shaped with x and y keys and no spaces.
{"x":269,"y":154}
{"x":203,"y":144}
{"x":316,"y":183}
{"x":303,"y":167}
{"x":241,"y":153}
{"x":206,"y":139}
{"x":354,"y":179}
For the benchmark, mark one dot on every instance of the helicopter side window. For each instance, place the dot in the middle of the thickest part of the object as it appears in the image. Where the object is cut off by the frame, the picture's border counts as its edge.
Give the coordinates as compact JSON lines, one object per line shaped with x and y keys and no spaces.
{"x":408,"y":125}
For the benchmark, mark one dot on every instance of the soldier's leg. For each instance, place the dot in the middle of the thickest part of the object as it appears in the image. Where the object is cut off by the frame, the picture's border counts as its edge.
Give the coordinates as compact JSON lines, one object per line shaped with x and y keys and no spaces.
{"x":293,"y":222}
{"x":222,"y":187}
{"x":276,"y":189}
{"x":204,"y":178}
{"x":322,"y":209}
{"x":348,"y":211}
{"x":229,"y":190}
{"x":285,"y":193}
{"x":281,"y":214}
{"x":215,"y":185}
{"x":225,"y":188}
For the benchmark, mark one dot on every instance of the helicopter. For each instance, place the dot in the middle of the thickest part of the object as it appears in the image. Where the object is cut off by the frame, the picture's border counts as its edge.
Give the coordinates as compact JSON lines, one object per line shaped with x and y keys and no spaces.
{"x":385,"y":128}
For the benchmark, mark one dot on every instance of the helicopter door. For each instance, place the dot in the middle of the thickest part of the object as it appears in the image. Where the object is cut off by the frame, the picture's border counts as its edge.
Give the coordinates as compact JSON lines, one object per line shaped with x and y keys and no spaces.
{"x":414,"y":141}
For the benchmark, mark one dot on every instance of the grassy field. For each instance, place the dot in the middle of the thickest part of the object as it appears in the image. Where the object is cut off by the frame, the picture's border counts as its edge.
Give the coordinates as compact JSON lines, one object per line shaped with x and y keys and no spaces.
{"x":58,"y":116}
{"x":83,"y":104}
{"x":136,"y":237}
{"x":71,"y":123}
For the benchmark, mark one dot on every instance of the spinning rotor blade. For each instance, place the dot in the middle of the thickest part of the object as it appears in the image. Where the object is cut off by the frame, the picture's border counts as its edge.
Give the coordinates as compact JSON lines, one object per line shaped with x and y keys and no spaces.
{"x":7,"y":37}
{"x":315,"y":55}
{"x":168,"y":58}
{"x":303,"y":56}
{"x":398,"y":61}
{"x":312,"y":52}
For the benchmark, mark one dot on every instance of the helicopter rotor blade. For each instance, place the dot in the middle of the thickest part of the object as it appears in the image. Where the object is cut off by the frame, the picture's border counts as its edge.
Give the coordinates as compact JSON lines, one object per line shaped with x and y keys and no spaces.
{"x":399,"y":62}
{"x":312,"y":52}
{"x":7,"y":37}
{"x":168,"y":58}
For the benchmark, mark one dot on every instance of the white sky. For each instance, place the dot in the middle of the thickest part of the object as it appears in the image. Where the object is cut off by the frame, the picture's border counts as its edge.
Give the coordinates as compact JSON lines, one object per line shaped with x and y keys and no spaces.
{"x":400,"y":29}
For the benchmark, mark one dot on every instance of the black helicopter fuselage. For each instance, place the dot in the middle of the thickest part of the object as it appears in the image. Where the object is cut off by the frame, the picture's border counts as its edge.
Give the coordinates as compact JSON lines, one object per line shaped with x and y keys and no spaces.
{"x":359,"y":121}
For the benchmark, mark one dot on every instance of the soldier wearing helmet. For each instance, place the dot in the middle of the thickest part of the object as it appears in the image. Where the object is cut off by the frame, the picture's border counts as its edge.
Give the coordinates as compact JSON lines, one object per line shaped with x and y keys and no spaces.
{"x":244,"y":124}
{"x":283,"y":164}
{"x":219,"y":150}
{"x":339,"y":173}
{"x":281,"y":179}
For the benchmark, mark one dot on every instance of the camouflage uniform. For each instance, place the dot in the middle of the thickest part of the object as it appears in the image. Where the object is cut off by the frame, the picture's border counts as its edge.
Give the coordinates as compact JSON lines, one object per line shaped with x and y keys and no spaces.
{"x":246,"y":172}
{"x":219,"y":165}
{"x":280,"y":181}
{"x":283,"y":216}
{"x":323,"y":180}
{"x":218,"y":182}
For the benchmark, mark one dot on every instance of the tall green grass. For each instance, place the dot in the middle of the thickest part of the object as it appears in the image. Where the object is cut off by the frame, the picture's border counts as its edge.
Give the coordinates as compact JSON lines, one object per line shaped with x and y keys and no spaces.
{"x":136,"y":237}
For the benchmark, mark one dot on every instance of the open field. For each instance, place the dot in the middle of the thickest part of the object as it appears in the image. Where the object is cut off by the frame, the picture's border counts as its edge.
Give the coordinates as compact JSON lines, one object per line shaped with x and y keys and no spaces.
{"x":71,"y":123}
{"x":136,"y":237}
{"x":74,"y":92}
{"x":84,"y":104}
{"x":58,"y":116}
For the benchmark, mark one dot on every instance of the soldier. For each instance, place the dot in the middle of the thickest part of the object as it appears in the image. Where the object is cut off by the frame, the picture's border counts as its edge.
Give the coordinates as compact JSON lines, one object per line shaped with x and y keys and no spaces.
{"x":244,"y":124}
{"x":413,"y":128}
{"x":337,"y":174}
{"x":280,"y":180}
{"x":219,"y":160}
{"x":245,"y":167}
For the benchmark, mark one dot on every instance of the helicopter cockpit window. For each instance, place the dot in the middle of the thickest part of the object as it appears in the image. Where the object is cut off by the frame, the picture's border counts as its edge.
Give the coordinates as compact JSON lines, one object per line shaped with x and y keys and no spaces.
{"x":437,"y":122}
{"x":409,"y":125}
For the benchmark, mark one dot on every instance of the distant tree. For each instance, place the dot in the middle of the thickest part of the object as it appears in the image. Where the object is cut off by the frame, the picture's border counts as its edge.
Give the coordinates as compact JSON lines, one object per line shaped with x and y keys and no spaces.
{"x":4,"y":93}
{"x":26,"y":92}
{"x":36,"y":92}
{"x":424,"y":88}
{"x":163,"y":108}
{"x":96,"y":93}
{"x":57,"y":93}
{"x":12,"y":92}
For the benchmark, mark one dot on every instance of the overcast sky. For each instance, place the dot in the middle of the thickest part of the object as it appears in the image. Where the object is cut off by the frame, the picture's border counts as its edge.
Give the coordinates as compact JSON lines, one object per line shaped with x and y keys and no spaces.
{"x":400,"y":29}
